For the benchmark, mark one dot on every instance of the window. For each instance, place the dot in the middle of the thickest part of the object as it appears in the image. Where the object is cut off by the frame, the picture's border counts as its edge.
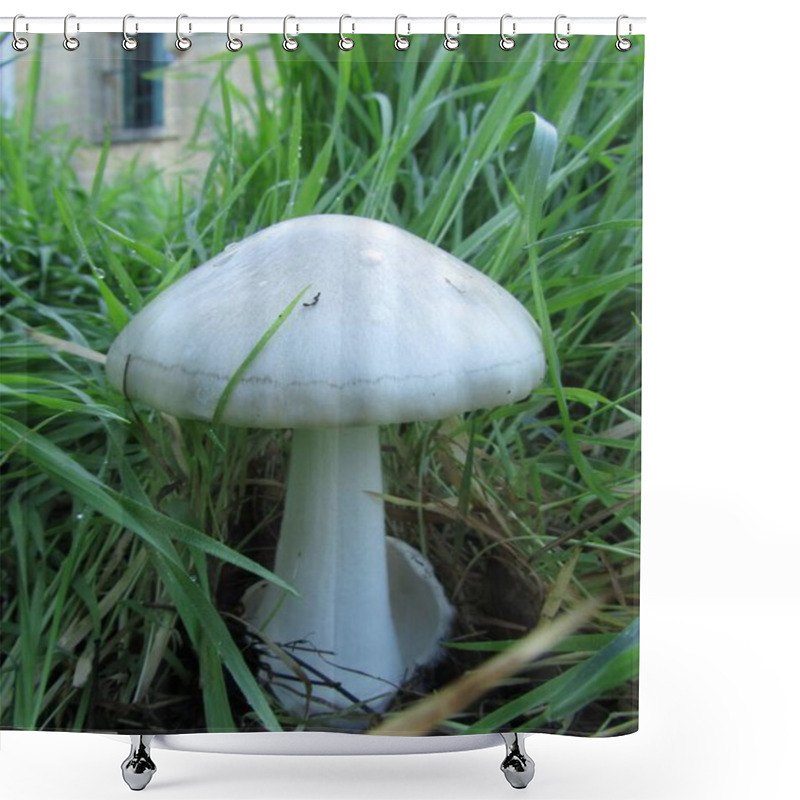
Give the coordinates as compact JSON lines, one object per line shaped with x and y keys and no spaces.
{"x":143,"y":84}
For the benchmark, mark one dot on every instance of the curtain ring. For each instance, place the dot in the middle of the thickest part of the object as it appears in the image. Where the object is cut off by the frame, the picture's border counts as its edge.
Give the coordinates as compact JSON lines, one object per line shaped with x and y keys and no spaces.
{"x":450,"y":42}
{"x":18,"y":43}
{"x":506,"y":42}
{"x":233,"y":44}
{"x":70,"y":42}
{"x":128,"y":42}
{"x":289,"y":44}
{"x":623,"y":44}
{"x":182,"y":43}
{"x":400,"y":42}
{"x":560,"y":43}
{"x":345,"y":43}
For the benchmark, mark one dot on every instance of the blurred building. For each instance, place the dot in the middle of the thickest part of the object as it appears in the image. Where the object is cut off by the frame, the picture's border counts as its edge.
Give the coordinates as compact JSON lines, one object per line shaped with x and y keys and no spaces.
{"x":146,"y":102}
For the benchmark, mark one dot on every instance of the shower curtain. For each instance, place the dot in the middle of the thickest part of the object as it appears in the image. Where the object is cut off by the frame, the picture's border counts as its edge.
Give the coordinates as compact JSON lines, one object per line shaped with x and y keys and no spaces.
{"x":135,"y":537}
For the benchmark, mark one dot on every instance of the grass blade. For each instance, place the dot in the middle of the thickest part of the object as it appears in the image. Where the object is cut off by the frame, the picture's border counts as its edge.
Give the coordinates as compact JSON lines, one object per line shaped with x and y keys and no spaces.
{"x":219,"y":410}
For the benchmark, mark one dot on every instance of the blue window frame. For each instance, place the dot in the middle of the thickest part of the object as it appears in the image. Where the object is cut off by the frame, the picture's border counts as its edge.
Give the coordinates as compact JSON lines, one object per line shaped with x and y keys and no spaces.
{"x":143,"y":83}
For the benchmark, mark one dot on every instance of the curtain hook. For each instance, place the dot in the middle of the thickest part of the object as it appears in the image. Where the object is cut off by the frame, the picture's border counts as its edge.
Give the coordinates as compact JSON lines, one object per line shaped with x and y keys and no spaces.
{"x":289,"y":44}
{"x":128,"y":42}
{"x":400,"y":42}
{"x":561,"y":43}
{"x":18,"y":43}
{"x":451,"y":42}
{"x":345,"y":43}
{"x":506,"y":42}
{"x":182,"y":43}
{"x":70,"y":42}
{"x":233,"y":44}
{"x":623,"y":44}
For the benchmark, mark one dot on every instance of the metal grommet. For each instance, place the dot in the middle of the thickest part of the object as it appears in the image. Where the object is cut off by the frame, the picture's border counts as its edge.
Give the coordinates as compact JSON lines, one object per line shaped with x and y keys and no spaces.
{"x":400,"y":42}
{"x":623,"y":44}
{"x":128,"y":42}
{"x":345,"y":43}
{"x":451,"y":42}
{"x":18,"y":43}
{"x":70,"y":42}
{"x":233,"y":44}
{"x":506,"y":42}
{"x":560,"y":44}
{"x":289,"y":44}
{"x":182,"y":42}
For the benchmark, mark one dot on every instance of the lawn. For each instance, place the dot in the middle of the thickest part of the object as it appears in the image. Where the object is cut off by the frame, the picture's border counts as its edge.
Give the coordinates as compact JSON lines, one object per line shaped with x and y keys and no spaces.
{"x":129,"y":536}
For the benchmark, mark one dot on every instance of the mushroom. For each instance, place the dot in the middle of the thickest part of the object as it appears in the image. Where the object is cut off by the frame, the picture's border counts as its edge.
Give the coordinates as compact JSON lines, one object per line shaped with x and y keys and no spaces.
{"x":392,"y":329}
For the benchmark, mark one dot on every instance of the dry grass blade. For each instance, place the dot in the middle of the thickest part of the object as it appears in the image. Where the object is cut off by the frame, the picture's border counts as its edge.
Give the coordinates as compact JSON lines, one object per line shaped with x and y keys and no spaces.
{"x":557,"y":594}
{"x":622,"y":431}
{"x":422,"y":717}
{"x":588,"y":523}
{"x":66,"y":346}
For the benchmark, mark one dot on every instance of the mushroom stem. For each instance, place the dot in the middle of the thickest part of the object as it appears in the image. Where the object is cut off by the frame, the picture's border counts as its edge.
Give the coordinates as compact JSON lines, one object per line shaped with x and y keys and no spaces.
{"x":332,"y":550}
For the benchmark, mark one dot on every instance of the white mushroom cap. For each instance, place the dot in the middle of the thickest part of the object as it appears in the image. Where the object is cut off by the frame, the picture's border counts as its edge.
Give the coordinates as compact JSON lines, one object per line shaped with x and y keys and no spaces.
{"x":394,"y":330}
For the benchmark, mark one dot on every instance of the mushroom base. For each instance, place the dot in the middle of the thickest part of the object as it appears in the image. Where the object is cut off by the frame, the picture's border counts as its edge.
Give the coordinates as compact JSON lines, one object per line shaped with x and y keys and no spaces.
{"x":332,"y":550}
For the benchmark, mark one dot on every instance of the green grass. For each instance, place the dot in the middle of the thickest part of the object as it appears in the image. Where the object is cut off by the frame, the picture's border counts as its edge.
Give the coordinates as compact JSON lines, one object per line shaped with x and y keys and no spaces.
{"x":127,"y":537}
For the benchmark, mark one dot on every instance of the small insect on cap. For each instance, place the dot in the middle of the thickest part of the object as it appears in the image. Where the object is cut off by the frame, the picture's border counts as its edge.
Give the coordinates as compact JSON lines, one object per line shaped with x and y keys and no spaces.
{"x":390,"y":328}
